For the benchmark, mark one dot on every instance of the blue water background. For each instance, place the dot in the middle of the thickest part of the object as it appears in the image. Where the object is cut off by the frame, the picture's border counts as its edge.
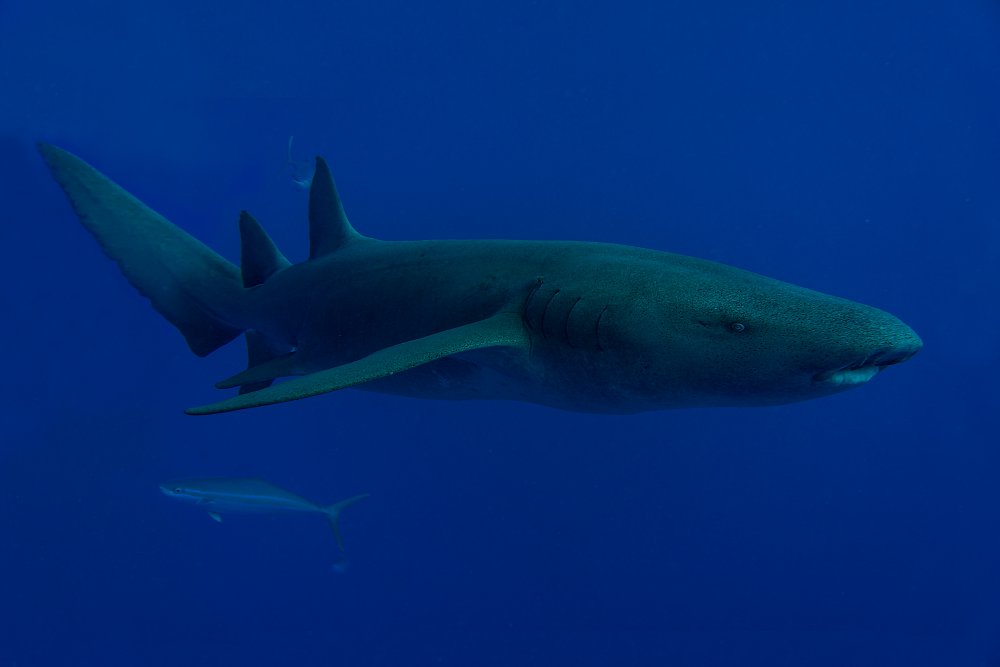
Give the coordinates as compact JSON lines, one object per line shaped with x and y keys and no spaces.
{"x":849,"y":147}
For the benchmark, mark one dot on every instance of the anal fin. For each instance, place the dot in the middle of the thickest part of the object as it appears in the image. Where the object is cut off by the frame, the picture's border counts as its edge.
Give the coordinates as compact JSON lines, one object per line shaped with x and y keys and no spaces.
{"x":265,"y":363}
{"x":505,"y":329}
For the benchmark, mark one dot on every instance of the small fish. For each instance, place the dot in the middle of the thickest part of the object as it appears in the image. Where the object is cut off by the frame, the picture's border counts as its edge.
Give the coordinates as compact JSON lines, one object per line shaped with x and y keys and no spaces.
{"x":219,"y":495}
{"x":301,"y":170}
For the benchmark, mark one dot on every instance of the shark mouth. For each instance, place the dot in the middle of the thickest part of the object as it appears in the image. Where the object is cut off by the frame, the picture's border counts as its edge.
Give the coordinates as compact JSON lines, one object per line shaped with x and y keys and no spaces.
{"x":863,"y":370}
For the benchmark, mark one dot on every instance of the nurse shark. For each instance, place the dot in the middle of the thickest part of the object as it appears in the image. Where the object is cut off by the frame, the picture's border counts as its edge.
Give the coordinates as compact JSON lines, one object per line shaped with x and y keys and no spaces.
{"x":589,"y":327}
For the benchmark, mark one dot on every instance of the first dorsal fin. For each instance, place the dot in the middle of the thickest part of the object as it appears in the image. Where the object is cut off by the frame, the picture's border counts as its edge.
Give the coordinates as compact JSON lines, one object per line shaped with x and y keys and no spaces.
{"x":329,"y":229}
{"x":259,"y":257}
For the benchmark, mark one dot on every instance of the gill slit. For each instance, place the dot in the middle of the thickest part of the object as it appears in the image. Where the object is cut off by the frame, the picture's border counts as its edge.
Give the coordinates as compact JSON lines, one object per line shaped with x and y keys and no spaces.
{"x":541,"y":319}
{"x":527,"y":302}
{"x":597,"y":329}
{"x":569,"y":314}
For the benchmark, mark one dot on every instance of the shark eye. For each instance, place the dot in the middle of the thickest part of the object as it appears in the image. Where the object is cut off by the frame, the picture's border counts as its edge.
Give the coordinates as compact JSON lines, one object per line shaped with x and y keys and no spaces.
{"x":737,"y":327}
{"x":177,"y":490}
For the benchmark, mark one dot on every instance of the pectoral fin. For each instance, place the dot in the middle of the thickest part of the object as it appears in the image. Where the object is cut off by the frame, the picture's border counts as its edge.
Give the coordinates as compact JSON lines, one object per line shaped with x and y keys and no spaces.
{"x":504,"y":329}
{"x":215,"y":517}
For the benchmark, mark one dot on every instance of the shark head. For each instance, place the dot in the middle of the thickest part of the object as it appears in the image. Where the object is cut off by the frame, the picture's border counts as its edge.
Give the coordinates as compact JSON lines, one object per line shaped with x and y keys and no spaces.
{"x":699,"y":333}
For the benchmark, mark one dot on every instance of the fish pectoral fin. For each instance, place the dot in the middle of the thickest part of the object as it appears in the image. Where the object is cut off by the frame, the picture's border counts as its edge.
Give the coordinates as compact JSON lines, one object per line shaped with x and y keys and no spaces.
{"x":505,"y":329}
{"x":215,"y":517}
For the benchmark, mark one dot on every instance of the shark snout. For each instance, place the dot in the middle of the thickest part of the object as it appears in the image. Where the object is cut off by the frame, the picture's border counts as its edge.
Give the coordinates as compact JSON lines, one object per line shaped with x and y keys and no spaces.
{"x":896,"y":355}
{"x":904,"y":344}
{"x":892,"y":345}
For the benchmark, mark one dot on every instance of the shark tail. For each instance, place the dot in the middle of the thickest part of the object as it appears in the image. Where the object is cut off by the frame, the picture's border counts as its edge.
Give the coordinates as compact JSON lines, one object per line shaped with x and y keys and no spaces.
{"x":197,"y":290}
{"x":333,"y":515}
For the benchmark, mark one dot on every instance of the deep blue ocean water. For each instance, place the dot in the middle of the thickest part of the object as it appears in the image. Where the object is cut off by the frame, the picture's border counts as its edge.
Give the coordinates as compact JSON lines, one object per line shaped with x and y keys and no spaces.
{"x":850,"y":147}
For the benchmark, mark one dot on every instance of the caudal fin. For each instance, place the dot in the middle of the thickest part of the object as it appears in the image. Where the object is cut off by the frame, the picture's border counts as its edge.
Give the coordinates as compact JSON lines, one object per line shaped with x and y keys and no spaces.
{"x":333,"y":515}
{"x":197,"y":290}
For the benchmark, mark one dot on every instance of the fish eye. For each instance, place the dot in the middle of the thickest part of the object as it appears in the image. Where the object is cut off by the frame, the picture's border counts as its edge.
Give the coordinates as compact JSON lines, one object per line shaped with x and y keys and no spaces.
{"x":737,"y":327}
{"x":178,"y":489}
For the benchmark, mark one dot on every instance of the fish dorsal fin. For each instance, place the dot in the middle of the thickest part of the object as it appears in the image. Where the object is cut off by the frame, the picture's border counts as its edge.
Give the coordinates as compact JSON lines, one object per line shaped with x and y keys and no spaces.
{"x":329,"y":229}
{"x":505,"y":329}
{"x":259,"y":257}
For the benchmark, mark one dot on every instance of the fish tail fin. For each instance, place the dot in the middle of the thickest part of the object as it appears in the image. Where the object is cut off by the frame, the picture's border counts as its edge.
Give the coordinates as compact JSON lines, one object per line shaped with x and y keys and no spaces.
{"x":333,"y":515}
{"x":194,"y":288}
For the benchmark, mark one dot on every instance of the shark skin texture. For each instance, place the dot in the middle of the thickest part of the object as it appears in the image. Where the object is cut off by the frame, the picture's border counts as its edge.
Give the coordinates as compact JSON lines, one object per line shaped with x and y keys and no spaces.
{"x":589,"y":327}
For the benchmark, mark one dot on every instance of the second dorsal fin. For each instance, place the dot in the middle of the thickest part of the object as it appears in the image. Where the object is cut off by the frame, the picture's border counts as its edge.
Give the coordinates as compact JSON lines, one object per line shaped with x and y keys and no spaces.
{"x":259,"y":257}
{"x":329,"y":229}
